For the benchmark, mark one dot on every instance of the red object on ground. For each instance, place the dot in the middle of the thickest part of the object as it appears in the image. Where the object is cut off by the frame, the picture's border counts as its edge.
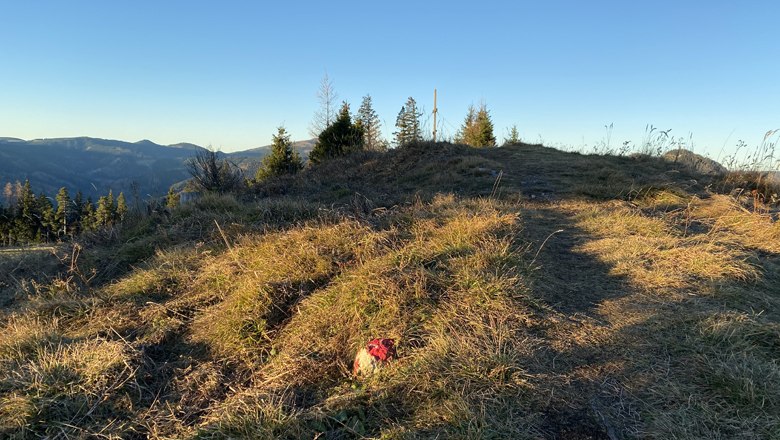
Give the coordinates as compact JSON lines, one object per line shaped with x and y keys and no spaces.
{"x":382,"y":349}
{"x":374,"y":356}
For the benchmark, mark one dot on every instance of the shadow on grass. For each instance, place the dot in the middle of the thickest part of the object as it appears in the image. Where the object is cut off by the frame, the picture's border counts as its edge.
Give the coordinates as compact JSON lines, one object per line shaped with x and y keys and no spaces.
{"x":697,"y":365}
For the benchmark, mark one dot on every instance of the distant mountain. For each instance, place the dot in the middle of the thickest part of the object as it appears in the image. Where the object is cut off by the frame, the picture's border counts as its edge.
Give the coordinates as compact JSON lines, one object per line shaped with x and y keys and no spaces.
{"x":93,"y":165}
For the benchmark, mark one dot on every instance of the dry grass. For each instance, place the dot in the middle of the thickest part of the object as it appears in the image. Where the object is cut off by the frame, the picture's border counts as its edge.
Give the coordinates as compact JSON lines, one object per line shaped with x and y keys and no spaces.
{"x":650,"y":311}
{"x":54,"y":386}
{"x":443,"y":285}
{"x":654,"y":254}
{"x":682,"y":342}
{"x":266,"y":276}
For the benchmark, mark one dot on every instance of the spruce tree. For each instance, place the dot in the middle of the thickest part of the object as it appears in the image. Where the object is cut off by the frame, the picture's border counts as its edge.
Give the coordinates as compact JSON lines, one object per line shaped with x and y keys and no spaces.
{"x":340,"y":138}
{"x":47,"y":223}
{"x":111,"y":205}
{"x":88,"y":219}
{"x":485,"y":136}
{"x":408,"y":124}
{"x":25,"y":215}
{"x":121,"y":207}
{"x":282,"y":160}
{"x":104,"y":214}
{"x":78,"y":209}
{"x":63,"y":215}
{"x":467,"y":133}
{"x":369,"y":122}
{"x":477,"y":129}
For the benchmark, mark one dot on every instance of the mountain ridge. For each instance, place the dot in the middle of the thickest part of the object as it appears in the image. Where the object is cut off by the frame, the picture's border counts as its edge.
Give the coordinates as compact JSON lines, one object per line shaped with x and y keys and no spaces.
{"x":95,"y":165}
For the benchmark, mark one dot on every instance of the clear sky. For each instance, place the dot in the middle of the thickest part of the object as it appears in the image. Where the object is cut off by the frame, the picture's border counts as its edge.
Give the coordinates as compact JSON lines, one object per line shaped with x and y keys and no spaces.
{"x":227,"y":73}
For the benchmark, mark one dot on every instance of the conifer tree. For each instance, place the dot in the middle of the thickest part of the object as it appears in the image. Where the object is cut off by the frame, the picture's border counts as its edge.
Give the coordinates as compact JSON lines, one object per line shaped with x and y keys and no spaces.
{"x":121,"y":207}
{"x":485,"y":136}
{"x":25,"y":217}
{"x":340,"y":138}
{"x":477,"y":129}
{"x":46,"y":218}
{"x":282,"y":160}
{"x":63,"y":215}
{"x":5,"y":226}
{"x":78,"y":209}
{"x":371,"y":125}
{"x":408,"y":124}
{"x":88,"y":221}
{"x":514,"y":136}
{"x":105,"y":212}
{"x":467,"y":133}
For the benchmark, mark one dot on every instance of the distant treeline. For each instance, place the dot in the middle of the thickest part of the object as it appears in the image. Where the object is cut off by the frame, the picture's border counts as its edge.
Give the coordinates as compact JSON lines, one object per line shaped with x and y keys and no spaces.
{"x":27,"y":219}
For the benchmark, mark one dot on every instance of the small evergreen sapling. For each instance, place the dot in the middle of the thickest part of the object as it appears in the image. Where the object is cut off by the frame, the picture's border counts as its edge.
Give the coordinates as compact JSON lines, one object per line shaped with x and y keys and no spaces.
{"x":282,"y":160}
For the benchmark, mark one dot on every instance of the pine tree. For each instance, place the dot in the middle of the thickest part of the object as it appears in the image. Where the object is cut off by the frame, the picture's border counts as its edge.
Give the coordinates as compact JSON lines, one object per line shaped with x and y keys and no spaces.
{"x":121,"y":207}
{"x":63,"y":215}
{"x":371,"y":125}
{"x":282,"y":160}
{"x":340,"y":138}
{"x":408,"y":124}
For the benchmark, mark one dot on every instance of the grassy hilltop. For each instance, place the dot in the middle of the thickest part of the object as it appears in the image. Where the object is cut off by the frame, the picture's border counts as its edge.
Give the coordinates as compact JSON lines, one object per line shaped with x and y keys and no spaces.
{"x":532,"y":294}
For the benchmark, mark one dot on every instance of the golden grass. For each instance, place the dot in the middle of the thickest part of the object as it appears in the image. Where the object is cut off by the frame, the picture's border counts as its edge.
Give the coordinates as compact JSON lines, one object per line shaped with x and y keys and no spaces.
{"x":654,"y":254}
{"x":56,"y":384}
{"x":265,"y":276}
{"x":25,"y":334}
{"x":652,"y":315}
{"x":445,"y":285}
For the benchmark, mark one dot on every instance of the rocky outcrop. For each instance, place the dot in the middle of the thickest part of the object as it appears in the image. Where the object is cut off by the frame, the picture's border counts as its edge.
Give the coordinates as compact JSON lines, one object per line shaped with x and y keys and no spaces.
{"x":695,"y":162}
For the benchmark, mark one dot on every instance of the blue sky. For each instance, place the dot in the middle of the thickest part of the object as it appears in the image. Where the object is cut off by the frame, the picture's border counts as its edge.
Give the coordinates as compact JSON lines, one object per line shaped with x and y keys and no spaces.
{"x":227,"y":73}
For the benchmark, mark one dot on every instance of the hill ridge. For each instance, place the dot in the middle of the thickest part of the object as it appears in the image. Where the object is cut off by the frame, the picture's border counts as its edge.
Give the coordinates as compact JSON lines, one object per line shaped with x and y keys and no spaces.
{"x":532,"y":293}
{"x":95,"y":165}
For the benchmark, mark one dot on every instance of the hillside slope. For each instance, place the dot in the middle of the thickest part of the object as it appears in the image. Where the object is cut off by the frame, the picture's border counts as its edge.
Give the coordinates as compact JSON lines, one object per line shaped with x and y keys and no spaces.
{"x":93,"y":165}
{"x":532,"y":294}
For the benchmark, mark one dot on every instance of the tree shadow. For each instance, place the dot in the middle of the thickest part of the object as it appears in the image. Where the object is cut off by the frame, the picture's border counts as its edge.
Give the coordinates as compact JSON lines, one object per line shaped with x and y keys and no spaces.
{"x":605,"y":381}
{"x":565,"y":278}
